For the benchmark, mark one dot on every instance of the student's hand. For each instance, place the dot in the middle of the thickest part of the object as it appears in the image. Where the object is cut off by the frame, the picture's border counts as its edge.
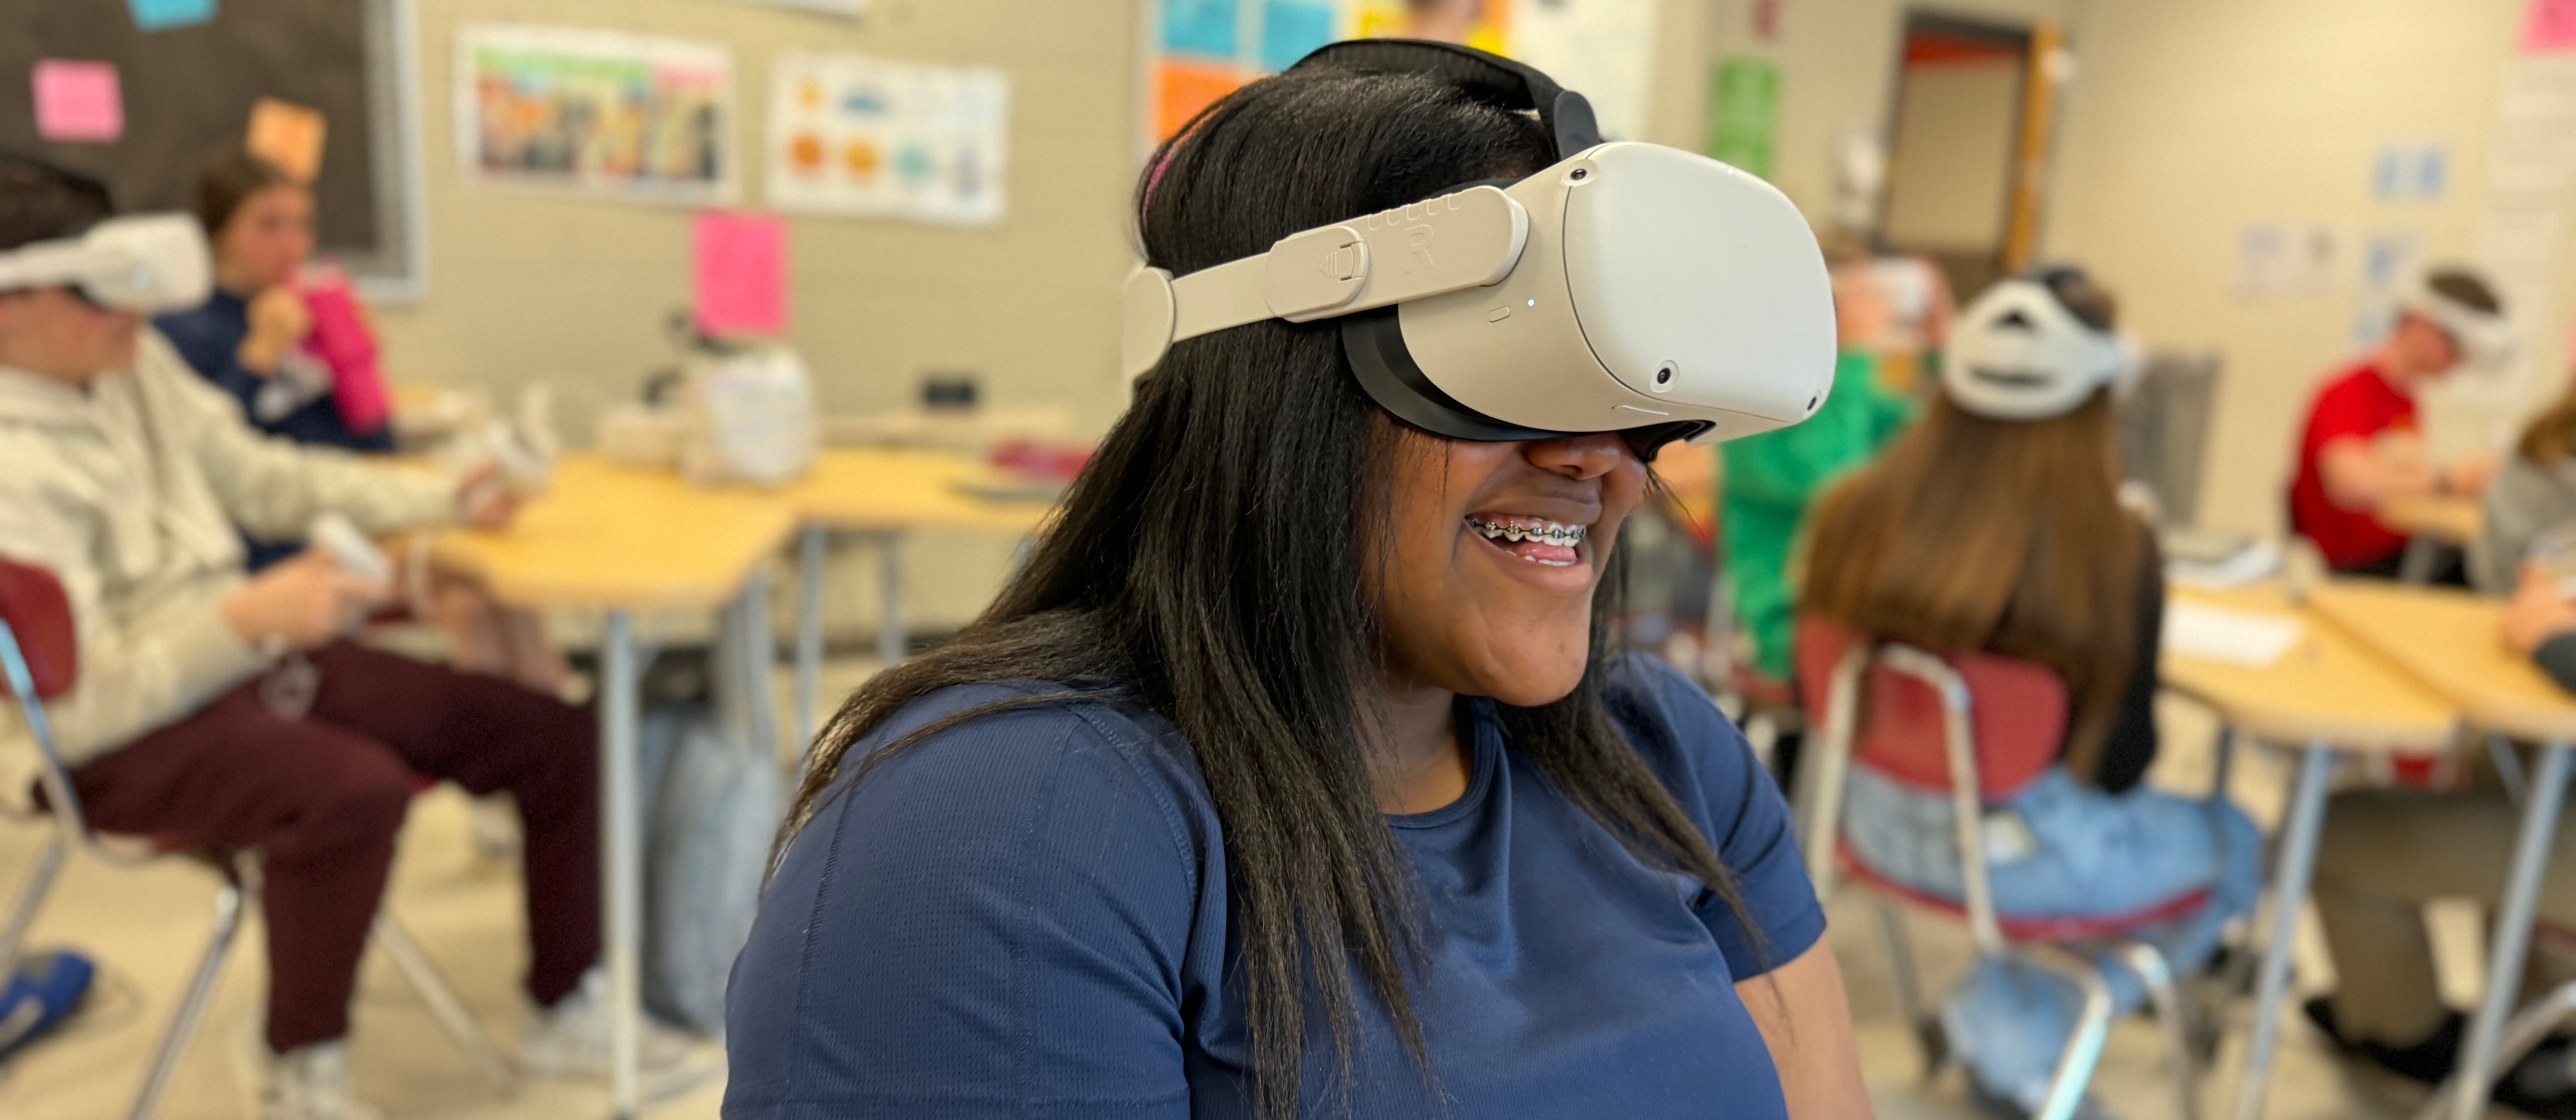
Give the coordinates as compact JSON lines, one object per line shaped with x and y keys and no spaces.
{"x":279,"y":321}
{"x":484,"y":499}
{"x":303,"y":602}
{"x":2537,"y":612}
{"x":2469,"y":475}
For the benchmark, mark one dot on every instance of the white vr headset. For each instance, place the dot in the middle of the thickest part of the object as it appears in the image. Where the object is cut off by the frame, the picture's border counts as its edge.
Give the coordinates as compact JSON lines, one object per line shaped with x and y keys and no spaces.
{"x":2017,"y":353}
{"x":1628,"y":287}
{"x":146,"y":264}
{"x":2485,"y":338}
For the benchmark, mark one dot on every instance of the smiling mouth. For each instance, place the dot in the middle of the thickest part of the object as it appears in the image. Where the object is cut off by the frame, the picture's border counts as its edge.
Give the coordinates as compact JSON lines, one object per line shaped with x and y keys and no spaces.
{"x":1537,"y":540}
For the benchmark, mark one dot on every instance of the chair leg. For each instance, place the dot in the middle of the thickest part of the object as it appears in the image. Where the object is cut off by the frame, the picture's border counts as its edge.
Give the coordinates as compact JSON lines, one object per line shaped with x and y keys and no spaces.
{"x":2524,"y":1034}
{"x":1909,"y":989}
{"x":2084,"y":1047}
{"x":443,"y":1003}
{"x":230,"y":900}
{"x":2174,"y":1016}
{"x":22,"y":913}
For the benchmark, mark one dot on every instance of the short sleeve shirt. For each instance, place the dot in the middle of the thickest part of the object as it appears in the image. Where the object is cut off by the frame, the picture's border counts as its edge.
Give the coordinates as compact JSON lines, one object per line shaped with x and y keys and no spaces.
{"x":1027,"y":915}
{"x":2361,"y":403}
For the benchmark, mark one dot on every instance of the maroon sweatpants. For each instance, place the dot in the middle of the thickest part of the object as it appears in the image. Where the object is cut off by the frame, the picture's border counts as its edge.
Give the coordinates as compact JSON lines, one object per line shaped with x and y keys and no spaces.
{"x":321,"y":798}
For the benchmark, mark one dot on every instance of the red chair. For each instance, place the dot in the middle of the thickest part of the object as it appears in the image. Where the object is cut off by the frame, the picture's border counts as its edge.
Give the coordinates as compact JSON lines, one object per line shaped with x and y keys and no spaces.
{"x":39,"y":663}
{"x":1979,"y":728}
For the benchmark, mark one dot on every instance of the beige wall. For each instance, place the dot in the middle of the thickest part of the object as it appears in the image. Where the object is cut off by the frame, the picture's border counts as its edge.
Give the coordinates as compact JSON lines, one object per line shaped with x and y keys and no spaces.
{"x":1953,"y":155}
{"x":2188,"y":119}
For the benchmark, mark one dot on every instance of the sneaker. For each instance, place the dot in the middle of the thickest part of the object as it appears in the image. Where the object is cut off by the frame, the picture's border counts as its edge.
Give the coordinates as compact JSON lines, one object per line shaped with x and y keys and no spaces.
{"x":312,"y":1083}
{"x":570,"y":1039}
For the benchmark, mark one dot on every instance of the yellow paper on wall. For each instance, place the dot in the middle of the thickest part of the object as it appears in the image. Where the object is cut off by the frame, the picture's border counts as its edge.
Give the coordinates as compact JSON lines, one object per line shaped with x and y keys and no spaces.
{"x":288,"y":135}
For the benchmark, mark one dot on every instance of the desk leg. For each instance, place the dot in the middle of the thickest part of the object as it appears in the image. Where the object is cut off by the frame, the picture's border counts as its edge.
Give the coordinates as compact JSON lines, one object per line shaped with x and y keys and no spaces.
{"x":757,"y":652}
{"x":2512,"y":932}
{"x":809,"y":631}
{"x":621,"y":854}
{"x":890,"y":634}
{"x":2298,"y":859}
{"x":2416,"y":565}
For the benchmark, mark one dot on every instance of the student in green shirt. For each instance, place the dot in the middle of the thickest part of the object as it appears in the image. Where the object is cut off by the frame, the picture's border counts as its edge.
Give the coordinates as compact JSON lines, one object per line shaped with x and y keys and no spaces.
{"x":1770,"y":479}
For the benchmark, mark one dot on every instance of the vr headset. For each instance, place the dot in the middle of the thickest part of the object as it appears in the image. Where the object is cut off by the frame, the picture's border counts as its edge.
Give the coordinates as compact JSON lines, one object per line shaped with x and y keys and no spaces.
{"x":146,"y":264}
{"x":2018,"y":353}
{"x":2485,"y":338}
{"x":1628,"y":287}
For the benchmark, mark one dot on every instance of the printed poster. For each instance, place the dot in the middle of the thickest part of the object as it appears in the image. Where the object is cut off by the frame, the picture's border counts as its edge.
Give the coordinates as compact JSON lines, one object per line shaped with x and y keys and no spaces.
{"x":1744,"y":113}
{"x":604,"y":113}
{"x":855,"y":135}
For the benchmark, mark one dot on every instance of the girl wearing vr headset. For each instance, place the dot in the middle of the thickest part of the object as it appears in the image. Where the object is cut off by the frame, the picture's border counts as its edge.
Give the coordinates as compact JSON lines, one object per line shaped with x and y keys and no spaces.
{"x":1993,"y":524}
{"x":1295,"y":774}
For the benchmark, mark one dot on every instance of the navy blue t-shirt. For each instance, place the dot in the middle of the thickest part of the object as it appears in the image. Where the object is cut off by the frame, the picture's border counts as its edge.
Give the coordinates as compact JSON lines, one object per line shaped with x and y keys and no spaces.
{"x":1027,"y":916}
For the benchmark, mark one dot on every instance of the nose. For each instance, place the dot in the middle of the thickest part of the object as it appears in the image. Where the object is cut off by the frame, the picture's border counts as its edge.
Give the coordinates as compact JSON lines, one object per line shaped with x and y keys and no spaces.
{"x":1580,"y":457}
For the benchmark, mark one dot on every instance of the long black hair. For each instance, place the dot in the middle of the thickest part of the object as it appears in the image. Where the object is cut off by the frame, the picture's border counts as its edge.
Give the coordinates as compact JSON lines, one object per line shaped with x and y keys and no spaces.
{"x":1213,"y":563}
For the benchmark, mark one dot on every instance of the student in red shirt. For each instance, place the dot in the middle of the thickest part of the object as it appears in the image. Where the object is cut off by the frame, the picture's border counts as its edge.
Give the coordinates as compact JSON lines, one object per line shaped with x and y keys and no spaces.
{"x":2361,"y":446}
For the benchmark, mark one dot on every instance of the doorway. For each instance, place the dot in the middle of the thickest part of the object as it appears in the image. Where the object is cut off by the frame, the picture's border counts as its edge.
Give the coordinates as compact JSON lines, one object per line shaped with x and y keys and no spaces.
{"x":1969,"y":141}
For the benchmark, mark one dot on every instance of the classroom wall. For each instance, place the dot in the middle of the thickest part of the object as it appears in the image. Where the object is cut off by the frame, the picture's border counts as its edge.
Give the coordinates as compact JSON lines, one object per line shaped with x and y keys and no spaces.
{"x":2188,"y":119}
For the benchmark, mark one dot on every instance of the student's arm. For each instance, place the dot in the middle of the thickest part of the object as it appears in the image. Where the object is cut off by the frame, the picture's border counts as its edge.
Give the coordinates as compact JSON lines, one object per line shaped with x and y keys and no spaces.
{"x":2360,"y":474}
{"x":993,"y":924}
{"x":1805,"y":1019}
{"x":136,"y":673}
{"x":273,"y":488}
{"x":2129,"y":746}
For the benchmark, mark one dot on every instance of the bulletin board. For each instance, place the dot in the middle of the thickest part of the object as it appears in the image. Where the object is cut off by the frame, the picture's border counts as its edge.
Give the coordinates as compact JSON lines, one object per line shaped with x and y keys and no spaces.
{"x":187,"y":90}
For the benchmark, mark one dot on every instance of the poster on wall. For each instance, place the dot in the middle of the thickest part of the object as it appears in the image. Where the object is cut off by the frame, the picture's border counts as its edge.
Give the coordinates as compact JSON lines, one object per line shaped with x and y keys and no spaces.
{"x":850,"y":9}
{"x":872,"y":137}
{"x":1744,"y":114}
{"x":601,"y":113}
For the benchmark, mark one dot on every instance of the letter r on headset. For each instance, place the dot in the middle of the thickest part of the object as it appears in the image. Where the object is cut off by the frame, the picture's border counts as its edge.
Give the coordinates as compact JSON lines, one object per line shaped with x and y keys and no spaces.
{"x":1417,"y":247}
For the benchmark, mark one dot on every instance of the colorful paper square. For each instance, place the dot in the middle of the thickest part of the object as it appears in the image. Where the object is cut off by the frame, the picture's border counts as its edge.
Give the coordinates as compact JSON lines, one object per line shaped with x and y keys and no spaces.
{"x":288,"y":135}
{"x":1184,"y":88}
{"x":1200,"y":28}
{"x":741,"y":283}
{"x":1292,"y":29}
{"x":78,"y":102}
{"x":2548,"y":26}
{"x":161,"y":15}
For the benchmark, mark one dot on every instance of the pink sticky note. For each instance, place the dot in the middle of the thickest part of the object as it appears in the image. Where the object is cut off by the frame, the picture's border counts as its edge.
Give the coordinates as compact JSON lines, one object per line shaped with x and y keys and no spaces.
{"x":78,"y":101}
{"x":741,"y":273}
{"x":2548,"y":26}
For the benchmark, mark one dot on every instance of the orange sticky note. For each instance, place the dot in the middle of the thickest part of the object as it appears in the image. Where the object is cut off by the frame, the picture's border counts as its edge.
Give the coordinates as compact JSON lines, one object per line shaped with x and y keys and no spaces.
{"x":288,"y":135}
{"x":78,"y":101}
{"x":741,"y":284}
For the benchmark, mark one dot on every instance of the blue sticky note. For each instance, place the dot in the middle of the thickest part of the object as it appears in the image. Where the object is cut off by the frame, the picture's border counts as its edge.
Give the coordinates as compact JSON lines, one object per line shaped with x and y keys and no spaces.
{"x":1204,"y":28}
{"x":1290,"y":29}
{"x":159,"y":15}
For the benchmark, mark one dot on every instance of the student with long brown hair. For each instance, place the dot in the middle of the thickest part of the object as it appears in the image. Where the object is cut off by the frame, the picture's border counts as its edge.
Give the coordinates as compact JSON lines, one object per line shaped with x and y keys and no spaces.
{"x":1993,"y":525}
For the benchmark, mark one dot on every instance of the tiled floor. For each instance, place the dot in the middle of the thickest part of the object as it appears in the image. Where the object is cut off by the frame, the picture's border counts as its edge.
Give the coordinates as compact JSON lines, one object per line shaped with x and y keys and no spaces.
{"x":145,"y":927}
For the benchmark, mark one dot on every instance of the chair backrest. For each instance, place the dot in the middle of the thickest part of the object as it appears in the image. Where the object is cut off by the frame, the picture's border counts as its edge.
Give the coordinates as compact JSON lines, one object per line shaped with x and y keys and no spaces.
{"x":2017,"y":711}
{"x":39,"y":617}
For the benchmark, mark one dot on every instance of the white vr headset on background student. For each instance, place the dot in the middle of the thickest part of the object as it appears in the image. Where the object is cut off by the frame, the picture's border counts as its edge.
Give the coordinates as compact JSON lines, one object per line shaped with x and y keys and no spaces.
{"x":146,"y":264}
{"x":2484,"y":338}
{"x":1628,"y":287}
{"x":2018,"y":353}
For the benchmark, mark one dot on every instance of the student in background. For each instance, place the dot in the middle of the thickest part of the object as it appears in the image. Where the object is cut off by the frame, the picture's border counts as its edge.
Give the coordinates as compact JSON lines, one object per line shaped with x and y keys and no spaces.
{"x":2361,"y":445}
{"x":292,"y":345}
{"x":1282,"y":788}
{"x":2534,"y":492}
{"x":225,"y":708}
{"x":1994,"y":524}
{"x":2386,"y":853}
{"x":1770,"y":479}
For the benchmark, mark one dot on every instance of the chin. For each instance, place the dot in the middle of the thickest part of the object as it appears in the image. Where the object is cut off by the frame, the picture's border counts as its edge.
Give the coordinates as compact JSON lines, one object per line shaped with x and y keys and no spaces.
{"x":1534,"y":684}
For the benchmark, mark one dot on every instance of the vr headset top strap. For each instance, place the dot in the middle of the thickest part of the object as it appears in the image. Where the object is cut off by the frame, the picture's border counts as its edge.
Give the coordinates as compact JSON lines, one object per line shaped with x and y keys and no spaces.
{"x":1489,"y":78}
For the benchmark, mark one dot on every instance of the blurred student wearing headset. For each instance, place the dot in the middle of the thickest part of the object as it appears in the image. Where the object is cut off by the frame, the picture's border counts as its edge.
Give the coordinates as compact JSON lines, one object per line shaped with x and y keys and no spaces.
{"x":225,"y":708}
{"x":1994,"y":524}
{"x":2361,"y":445}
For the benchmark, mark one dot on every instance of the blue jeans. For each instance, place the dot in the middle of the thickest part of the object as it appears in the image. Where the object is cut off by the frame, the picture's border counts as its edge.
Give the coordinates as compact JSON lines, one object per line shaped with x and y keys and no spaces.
{"x":2087,"y":853}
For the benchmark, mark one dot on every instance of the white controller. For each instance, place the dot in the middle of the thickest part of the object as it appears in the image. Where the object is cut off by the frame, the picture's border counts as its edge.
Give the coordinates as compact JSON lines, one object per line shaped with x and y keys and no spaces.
{"x":350,"y":549}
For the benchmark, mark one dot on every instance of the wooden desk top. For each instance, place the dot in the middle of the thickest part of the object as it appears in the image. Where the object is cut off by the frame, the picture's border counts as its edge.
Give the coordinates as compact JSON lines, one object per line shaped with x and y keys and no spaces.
{"x":2446,"y":638}
{"x":606,"y":535}
{"x":888,"y":488}
{"x":2327,"y":689}
{"x":2446,"y":519}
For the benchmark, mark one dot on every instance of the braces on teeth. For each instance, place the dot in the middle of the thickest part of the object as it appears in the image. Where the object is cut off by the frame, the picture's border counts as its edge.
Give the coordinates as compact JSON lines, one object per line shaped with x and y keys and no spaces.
{"x":1549,"y":532}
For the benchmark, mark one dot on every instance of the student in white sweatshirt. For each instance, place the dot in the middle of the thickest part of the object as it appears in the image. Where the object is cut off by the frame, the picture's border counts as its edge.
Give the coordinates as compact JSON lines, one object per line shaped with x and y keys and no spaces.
{"x":125,"y":476}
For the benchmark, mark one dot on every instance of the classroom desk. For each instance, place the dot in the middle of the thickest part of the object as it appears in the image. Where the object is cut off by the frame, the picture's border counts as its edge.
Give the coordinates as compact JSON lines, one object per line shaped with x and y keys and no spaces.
{"x":2327,"y":697}
{"x":2429,"y":521}
{"x":2448,"y":640}
{"x":884,"y":493}
{"x":622,"y":539}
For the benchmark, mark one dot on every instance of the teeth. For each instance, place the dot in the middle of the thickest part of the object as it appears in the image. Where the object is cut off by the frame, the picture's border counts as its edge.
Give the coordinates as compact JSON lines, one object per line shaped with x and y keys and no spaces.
{"x":1514,"y":529}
